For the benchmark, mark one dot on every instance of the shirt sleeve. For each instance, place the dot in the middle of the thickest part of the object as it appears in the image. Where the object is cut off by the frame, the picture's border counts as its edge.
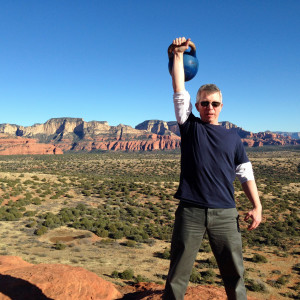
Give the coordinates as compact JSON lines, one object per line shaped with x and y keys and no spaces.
{"x":244,"y":172}
{"x":182,"y":106}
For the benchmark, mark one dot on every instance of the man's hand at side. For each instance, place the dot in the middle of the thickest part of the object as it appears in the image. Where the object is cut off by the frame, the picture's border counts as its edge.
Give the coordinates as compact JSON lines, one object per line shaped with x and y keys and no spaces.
{"x":255,"y":214}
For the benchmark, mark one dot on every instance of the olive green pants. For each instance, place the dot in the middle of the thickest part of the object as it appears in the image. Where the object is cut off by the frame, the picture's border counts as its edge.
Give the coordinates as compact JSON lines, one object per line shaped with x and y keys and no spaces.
{"x":221,"y":225}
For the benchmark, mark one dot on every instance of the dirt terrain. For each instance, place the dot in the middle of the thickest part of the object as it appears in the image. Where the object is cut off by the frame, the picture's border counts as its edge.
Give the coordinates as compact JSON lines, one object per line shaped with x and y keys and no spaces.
{"x":114,"y":212}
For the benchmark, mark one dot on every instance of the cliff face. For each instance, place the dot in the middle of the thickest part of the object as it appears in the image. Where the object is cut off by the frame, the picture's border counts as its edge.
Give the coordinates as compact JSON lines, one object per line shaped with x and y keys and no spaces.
{"x":249,"y":138}
{"x":293,"y":135}
{"x":59,"y":135}
{"x":155,"y":126}
{"x":20,"y":146}
{"x":73,"y":134}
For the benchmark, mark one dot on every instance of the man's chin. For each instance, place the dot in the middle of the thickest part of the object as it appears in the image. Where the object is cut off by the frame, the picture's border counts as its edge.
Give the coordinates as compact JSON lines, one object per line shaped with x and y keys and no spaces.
{"x":208,"y":120}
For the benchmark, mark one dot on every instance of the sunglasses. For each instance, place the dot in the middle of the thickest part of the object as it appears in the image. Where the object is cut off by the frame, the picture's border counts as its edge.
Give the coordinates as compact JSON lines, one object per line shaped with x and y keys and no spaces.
{"x":206,"y":103}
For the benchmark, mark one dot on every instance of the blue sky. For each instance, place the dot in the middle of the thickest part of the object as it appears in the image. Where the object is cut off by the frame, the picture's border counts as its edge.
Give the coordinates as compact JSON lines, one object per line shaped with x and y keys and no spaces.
{"x":107,"y":60}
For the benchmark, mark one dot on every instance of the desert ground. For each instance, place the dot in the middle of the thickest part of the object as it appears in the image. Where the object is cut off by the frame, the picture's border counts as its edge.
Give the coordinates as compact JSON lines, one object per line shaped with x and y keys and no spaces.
{"x":112,"y":213}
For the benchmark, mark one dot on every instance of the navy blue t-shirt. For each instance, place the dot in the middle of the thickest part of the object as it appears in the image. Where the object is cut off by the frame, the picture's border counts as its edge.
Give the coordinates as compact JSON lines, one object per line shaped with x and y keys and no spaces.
{"x":209,"y":157}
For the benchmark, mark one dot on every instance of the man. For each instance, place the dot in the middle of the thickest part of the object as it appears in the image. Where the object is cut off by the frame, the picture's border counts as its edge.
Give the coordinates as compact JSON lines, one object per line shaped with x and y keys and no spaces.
{"x":211,"y":157}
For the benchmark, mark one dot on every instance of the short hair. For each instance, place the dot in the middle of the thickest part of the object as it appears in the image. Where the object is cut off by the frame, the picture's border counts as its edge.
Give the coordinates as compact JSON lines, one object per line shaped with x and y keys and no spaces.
{"x":209,"y":89}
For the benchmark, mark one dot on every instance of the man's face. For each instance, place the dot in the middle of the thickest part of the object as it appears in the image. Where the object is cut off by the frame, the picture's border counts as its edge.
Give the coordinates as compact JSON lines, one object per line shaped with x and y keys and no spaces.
{"x":209,"y":114}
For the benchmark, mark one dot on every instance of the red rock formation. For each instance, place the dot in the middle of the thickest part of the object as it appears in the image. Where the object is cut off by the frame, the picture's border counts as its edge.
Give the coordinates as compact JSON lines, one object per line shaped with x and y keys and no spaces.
{"x":152,"y":291}
{"x":153,"y":142}
{"x":73,"y":134}
{"x":21,"y":280}
{"x":248,"y":142}
{"x":18,"y":145}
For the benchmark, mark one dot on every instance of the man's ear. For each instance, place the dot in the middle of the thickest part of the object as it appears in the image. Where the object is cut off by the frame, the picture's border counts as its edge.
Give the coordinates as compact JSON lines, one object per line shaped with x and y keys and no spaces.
{"x":197,"y":106}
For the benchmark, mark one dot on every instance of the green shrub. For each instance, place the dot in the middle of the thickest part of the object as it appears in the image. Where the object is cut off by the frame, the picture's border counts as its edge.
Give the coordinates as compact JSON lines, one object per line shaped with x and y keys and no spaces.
{"x":208,"y":276}
{"x":127,"y":274}
{"x":115,"y":274}
{"x":138,"y":238}
{"x":36,"y":201}
{"x":195,"y":276}
{"x":140,"y":278}
{"x":59,"y":246}
{"x":283,"y":279}
{"x":41,"y":230}
{"x":257,"y":258}
{"x":166,"y":254}
{"x":29,"y":213}
{"x":117,"y":235}
{"x":296,"y":268}
{"x":205,"y":247}
{"x":131,"y":243}
{"x":256,"y":286}
{"x":86,"y":192}
{"x":102,"y":233}
{"x":31,"y":224}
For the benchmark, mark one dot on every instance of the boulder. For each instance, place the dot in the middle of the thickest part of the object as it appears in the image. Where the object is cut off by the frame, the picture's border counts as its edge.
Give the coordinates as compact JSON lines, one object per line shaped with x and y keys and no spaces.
{"x":22,"y":280}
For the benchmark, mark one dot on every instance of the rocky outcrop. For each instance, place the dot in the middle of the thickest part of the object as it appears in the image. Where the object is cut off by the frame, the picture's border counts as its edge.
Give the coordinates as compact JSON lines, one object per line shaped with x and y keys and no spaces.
{"x":149,"y":143}
{"x":21,"y":146}
{"x":155,"y":126}
{"x":269,"y":139}
{"x":249,"y":138}
{"x":293,"y":135}
{"x":60,"y":135}
{"x":173,"y":126}
{"x":152,"y":291}
{"x":73,"y":134}
{"x":241,"y":132}
{"x":22,"y":280}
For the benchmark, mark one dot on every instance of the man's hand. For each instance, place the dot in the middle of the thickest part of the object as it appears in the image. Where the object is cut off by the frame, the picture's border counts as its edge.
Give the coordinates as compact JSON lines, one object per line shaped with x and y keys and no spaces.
{"x":180,"y":45}
{"x":256,"y":215}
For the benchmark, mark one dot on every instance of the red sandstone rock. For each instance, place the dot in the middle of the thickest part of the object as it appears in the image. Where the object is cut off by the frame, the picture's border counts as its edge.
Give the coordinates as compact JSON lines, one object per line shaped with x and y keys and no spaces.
{"x":11,"y":262}
{"x":152,"y":291}
{"x":73,"y":134}
{"x":153,"y":142}
{"x":18,"y":145}
{"x":21,"y":280}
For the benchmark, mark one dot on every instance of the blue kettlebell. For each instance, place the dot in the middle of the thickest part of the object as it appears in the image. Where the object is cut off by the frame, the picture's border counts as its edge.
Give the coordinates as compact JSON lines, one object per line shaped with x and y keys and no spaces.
{"x":190,"y":61}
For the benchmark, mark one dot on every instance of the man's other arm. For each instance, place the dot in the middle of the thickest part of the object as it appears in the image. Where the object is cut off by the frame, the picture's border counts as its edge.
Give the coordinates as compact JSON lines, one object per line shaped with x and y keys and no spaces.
{"x":255,"y":214}
{"x":244,"y":172}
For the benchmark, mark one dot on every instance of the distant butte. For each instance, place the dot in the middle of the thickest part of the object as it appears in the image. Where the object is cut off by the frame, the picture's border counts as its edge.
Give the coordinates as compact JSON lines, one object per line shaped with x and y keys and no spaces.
{"x":60,"y":135}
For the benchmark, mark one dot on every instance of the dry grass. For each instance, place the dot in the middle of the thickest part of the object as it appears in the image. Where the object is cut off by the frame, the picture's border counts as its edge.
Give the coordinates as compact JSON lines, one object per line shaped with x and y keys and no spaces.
{"x":69,"y":180}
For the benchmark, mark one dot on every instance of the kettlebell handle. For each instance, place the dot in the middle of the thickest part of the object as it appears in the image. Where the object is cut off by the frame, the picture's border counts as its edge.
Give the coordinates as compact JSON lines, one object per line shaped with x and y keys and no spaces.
{"x":172,"y":47}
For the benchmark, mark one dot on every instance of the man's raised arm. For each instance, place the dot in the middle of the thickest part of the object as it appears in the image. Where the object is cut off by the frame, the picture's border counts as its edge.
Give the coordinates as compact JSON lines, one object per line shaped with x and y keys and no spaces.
{"x":179,"y":46}
{"x":181,"y":98}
